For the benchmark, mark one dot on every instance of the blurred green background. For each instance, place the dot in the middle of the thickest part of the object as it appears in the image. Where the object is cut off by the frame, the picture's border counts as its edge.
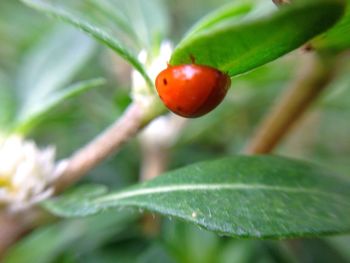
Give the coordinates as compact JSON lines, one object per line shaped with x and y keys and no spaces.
{"x":33,"y":45}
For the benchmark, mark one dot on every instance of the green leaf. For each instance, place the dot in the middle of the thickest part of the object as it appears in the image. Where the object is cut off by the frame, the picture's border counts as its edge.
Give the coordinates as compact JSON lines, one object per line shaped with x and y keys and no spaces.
{"x":95,"y":31}
{"x":149,"y":20}
{"x":230,"y":12}
{"x":78,"y":235}
{"x":256,"y":197}
{"x":110,"y":12}
{"x":36,"y":113}
{"x":341,"y":244}
{"x":237,"y":47}
{"x":50,"y":65}
{"x":155,"y":23}
{"x":338,"y":37}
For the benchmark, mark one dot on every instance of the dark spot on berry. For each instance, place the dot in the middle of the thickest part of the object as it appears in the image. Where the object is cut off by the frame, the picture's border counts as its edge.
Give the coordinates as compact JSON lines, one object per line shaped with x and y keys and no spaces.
{"x":179,"y":109}
{"x":165,"y":81}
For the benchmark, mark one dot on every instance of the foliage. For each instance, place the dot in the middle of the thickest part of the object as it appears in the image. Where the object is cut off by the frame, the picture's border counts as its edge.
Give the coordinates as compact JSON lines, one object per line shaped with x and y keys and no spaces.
{"x":243,"y":44}
{"x":46,"y":63}
{"x":237,"y":196}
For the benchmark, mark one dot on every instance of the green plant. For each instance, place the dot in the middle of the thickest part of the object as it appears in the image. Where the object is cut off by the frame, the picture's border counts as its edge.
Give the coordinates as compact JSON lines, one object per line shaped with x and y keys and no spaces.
{"x":251,"y":197}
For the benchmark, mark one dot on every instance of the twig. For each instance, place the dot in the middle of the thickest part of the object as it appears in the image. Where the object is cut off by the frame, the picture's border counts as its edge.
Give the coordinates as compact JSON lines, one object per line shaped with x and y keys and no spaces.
{"x":313,"y":76}
{"x":102,"y":147}
{"x":10,"y":231}
{"x":155,"y":141}
{"x":281,"y":2}
{"x":14,"y":226}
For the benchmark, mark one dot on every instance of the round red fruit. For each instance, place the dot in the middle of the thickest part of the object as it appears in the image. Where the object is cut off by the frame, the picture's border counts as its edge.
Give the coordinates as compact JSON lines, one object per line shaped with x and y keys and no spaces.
{"x":192,"y":90}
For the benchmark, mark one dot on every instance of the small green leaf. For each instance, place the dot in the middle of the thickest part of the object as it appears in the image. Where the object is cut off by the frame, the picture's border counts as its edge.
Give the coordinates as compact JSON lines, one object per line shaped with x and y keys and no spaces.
{"x":95,"y":31}
{"x":38,"y":111}
{"x":108,"y":10}
{"x":338,"y":37}
{"x":50,"y":65}
{"x":237,"y":47}
{"x":256,"y":197}
{"x":148,"y":19}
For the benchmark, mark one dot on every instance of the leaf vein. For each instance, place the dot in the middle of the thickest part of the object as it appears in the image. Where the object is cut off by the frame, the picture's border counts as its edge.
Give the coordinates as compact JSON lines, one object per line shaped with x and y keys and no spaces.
{"x":208,"y":187}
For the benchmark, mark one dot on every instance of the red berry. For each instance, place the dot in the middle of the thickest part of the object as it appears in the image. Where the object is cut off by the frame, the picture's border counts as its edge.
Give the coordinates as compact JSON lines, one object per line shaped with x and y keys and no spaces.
{"x":192,"y":90}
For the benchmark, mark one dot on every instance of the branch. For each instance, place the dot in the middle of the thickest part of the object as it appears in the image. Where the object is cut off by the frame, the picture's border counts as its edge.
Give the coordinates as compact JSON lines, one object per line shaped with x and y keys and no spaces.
{"x":155,"y":141}
{"x":10,"y":231}
{"x":281,"y":2}
{"x":312,"y":78}
{"x":14,"y":226}
{"x":102,"y":147}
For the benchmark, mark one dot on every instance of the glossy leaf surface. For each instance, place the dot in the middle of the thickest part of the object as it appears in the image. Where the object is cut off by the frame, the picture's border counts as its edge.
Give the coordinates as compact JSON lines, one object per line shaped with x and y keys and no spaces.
{"x":241,"y":196}
{"x":237,"y":46}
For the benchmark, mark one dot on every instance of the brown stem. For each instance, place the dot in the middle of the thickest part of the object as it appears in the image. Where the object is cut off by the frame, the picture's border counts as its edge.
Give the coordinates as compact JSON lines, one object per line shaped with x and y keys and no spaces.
{"x":156,"y":141}
{"x":313,"y":76}
{"x":154,"y":162}
{"x":281,"y":2}
{"x":10,"y":231}
{"x":102,"y":147}
{"x":14,"y":226}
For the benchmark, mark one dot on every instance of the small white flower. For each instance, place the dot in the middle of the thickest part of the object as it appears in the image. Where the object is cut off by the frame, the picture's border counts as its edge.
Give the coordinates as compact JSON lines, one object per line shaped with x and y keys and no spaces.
{"x":163,"y":131}
{"x":26,"y":173}
{"x":153,"y":65}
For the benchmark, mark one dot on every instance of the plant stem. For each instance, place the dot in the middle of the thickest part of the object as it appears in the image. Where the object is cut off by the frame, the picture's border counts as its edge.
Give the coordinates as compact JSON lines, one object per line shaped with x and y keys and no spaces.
{"x":281,"y":2}
{"x":10,"y":231}
{"x":14,"y":226}
{"x":101,"y":147}
{"x":156,"y":141}
{"x":314,"y":75}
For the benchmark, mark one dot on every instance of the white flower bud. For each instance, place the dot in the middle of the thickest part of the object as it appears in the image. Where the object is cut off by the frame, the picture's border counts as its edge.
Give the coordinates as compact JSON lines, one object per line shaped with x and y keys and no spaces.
{"x":140,"y":90}
{"x":26,"y":173}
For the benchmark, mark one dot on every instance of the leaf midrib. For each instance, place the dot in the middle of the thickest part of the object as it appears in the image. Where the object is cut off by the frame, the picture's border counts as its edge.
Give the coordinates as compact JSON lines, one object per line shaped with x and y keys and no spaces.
{"x":209,"y":187}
